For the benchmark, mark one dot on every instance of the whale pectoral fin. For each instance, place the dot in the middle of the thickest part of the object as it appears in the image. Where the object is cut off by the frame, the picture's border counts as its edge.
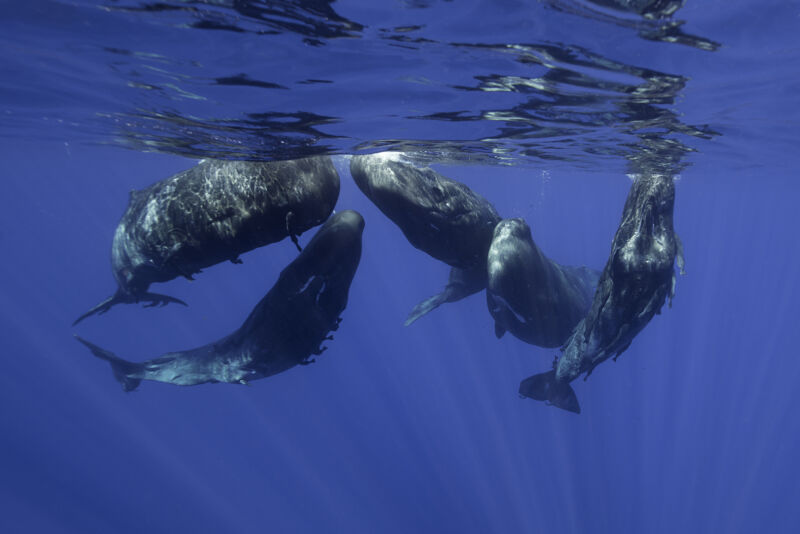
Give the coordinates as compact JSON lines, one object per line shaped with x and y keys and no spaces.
{"x":679,"y":259}
{"x":671,"y":294}
{"x":425,"y":307}
{"x":152,"y":300}
{"x":545,"y":387}
{"x":121,"y":368}
{"x":461,"y":284}
{"x":236,"y":261}
{"x":499,"y":331}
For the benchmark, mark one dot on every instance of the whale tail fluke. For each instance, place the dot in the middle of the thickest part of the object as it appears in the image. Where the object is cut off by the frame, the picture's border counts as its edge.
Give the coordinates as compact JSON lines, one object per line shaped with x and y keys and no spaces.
{"x":100,"y":309}
{"x":545,"y":387}
{"x":149,"y":299}
{"x":122,"y":369}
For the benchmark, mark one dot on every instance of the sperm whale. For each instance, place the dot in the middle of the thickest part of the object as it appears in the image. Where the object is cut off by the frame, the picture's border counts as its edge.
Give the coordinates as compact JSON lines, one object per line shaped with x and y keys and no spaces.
{"x":536,"y":299}
{"x":438,"y":215}
{"x":638,"y":278}
{"x":286,"y":328}
{"x":211,"y":213}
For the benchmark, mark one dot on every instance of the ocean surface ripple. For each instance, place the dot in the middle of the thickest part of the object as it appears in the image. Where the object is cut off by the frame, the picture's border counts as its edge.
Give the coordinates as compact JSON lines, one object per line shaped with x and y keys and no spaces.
{"x":451,"y":81}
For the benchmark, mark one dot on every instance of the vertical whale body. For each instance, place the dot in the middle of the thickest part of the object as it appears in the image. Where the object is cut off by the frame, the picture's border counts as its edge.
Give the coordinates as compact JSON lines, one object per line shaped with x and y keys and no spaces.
{"x":438,"y":215}
{"x":637,"y":279}
{"x":539,"y":301}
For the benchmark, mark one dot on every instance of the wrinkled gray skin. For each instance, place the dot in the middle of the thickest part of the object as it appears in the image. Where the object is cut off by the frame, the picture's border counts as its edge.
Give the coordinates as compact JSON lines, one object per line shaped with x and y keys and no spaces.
{"x":211,"y":213}
{"x":286,"y":327}
{"x":439,"y":216}
{"x":530,"y":295}
{"x":637,"y":279}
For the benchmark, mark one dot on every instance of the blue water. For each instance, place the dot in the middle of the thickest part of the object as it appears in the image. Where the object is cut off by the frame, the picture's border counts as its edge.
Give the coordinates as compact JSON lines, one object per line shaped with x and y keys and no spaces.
{"x":543,"y":108}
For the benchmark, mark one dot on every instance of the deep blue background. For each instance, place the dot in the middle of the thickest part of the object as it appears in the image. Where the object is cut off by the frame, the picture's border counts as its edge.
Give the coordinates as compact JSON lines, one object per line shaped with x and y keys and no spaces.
{"x":398,"y":429}
{"x":420,"y":429}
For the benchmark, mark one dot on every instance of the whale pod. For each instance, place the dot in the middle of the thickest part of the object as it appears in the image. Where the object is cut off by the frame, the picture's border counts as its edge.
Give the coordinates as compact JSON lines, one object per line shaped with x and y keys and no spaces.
{"x":530,"y":295}
{"x":286,"y":328}
{"x":638,"y":278}
{"x":438,"y":215}
{"x":212,"y":213}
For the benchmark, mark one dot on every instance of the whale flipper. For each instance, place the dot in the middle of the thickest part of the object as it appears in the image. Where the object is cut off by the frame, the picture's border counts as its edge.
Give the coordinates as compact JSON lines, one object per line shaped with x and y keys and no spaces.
{"x":460,"y":284}
{"x":426,"y":306}
{"x":451,"y":293}
{"x":122,"y":369}
{"x":150,"y":300}
{"x":545,"y":387}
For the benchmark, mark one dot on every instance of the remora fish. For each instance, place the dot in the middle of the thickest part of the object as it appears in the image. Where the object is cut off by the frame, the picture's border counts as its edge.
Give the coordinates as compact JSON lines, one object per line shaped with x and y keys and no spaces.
{"x":530,"y":295}
{"x":637,"y":279}
{"x":211,"y":213}
{"x":439,"y":216}
{"x":284,"y":329}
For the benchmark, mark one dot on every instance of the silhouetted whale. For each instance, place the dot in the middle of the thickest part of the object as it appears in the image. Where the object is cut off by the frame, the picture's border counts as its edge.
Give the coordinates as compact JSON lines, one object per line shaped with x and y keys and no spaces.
{"x":211,"y":213}
{"x":530,"y":295}
{"x":439,"y":216}
{"x":286,"y":327}
{"x":637,"y":278}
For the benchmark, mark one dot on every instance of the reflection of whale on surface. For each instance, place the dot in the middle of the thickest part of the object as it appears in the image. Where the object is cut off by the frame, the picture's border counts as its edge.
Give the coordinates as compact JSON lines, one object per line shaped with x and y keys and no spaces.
{"x":211,"y":213}
{"x":528,"y":294}
{"x":437,"y":215}
{"x":637,"y":278}
{"x":286,"y":327}
{"x":647,"y":8}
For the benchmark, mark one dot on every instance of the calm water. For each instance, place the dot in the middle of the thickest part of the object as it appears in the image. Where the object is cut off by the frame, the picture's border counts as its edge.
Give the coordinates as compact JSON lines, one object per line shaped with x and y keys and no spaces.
{"x":541,"y":107}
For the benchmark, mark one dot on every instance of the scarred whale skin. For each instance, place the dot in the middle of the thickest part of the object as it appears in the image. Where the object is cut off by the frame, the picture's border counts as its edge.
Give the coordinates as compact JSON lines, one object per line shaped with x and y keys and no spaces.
{"x":539,"y":301}
{"x":211,"y":213}
{"x":285,"y":328}
{"x":438,"y":215}
{"x":635,"y":283}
